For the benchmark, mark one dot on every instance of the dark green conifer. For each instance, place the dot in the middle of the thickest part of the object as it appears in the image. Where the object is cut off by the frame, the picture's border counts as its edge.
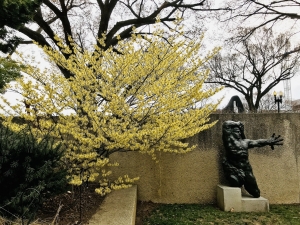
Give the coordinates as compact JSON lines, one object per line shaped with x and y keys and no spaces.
{"x":30,"y":172}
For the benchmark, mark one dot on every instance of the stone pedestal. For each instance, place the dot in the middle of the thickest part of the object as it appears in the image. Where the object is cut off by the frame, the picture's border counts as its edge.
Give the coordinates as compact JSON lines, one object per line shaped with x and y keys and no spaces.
{"x":231,"y":199}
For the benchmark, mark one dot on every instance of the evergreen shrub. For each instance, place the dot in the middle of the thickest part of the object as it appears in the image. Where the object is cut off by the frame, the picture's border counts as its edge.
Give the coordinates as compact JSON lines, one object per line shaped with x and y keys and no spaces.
{"x":30,"y":172}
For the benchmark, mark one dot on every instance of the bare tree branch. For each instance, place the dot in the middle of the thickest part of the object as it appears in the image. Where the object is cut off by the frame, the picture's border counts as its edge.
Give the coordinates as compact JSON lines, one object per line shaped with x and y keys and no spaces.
{"x":255,"y":66}
{"x":270,"y":13}
{"x":85,"y":21}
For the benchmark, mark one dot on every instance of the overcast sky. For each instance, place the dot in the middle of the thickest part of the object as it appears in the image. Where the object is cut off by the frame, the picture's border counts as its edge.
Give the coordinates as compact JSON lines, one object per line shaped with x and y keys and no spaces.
{"x":227,"y":93}
{"x":218,"y":31}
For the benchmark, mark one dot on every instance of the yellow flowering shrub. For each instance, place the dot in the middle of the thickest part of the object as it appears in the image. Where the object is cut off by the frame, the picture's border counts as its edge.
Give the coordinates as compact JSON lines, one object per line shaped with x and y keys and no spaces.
{"x":142,"y":95}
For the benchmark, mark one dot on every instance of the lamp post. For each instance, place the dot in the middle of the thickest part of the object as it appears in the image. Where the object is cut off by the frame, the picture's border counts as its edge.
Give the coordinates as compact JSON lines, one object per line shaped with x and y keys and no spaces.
{"x":278,"y":100}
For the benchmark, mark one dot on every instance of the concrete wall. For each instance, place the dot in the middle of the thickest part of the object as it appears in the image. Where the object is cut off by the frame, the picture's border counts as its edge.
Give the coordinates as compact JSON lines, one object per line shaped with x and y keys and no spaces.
{"x":193,"y":177}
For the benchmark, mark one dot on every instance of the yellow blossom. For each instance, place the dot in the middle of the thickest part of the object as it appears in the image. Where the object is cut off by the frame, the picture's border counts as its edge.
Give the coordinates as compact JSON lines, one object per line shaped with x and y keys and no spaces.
{"x":145,"y":99}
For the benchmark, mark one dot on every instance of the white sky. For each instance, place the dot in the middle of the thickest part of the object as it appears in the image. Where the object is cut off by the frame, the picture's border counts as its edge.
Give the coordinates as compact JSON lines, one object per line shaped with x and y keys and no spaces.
{"x":227,"y":93}
{"x":217,"y":32}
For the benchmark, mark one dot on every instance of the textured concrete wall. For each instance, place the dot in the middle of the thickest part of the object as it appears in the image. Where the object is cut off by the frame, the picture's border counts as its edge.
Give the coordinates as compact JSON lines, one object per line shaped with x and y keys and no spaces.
{"x":193,"y":177}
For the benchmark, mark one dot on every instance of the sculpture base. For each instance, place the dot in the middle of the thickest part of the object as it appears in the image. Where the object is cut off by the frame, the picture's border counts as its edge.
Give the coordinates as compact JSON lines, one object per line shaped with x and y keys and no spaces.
{"x":231,"y":199}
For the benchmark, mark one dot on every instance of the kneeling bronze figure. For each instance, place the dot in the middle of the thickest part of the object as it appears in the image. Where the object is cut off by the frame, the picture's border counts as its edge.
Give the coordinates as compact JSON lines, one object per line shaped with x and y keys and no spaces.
{"x":236,"y":165}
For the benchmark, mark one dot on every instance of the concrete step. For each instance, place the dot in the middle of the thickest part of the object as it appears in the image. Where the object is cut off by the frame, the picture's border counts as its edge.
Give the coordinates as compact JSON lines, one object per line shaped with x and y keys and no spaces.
{"x":231,"y":199}
{"x":250,"y":204}
{"x":118,"y":208}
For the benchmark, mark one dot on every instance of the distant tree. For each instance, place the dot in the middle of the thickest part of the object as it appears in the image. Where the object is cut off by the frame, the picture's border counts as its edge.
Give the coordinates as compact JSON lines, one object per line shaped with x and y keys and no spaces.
{"x":9,"y":71}
{"x":254,"y":66}
{"x":269,"y":12}
{"x":267,"y":104}
{"x":264,"y":14}
{"x":14,"y":14}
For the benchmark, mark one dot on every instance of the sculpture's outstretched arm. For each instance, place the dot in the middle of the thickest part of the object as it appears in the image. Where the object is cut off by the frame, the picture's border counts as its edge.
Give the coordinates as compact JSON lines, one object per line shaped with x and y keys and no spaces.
{"x":274,"y":140}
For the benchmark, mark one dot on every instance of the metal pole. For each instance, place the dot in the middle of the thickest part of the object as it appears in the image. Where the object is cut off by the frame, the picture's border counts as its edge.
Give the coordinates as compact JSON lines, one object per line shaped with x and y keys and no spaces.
{"x":278,"y":100}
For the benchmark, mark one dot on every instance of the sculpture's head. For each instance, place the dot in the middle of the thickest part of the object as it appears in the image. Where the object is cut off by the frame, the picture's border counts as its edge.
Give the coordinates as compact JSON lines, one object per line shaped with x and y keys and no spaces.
{"x":236,"y":133}
{"x":233,"y":129}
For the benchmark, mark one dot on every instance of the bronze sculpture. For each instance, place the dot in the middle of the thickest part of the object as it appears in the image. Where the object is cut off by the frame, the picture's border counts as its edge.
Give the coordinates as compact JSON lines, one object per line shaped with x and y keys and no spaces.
{"x":236,"y":166}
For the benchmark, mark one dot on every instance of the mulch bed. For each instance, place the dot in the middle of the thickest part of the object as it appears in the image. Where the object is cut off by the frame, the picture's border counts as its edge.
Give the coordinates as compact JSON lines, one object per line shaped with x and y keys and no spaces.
{"x":65,"y":209}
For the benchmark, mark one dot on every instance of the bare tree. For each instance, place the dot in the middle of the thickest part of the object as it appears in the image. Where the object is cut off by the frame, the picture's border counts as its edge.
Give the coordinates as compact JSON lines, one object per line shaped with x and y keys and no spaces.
{"x":264,"y":14}
{"x":255,"y":66}
{"x":85,"y":21}
{"x":267,"y":103}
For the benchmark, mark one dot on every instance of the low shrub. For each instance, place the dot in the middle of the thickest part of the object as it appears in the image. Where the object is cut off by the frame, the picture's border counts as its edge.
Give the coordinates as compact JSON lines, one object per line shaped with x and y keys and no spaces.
{"x":30,"y":172}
